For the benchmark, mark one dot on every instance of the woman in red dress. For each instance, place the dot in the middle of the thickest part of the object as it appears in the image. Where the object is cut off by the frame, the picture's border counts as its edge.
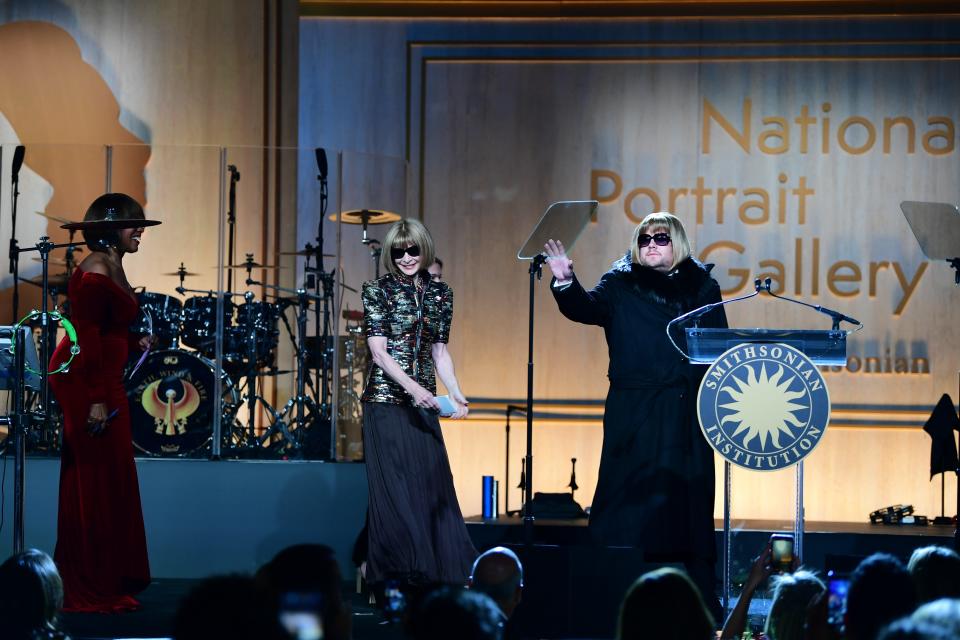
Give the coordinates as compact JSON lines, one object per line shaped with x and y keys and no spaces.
{"x":101,"y":547}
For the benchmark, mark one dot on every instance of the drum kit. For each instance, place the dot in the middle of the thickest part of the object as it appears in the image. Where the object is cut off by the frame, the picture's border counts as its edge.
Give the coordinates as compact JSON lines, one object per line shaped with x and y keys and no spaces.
{"x":172,"y":387}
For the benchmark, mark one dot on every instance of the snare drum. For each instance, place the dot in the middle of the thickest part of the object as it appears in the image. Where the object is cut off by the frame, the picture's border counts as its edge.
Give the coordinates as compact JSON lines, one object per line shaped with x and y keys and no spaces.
{"x":199,"y":329}
{"x":163,"y":312}
{"x":171,"y":403}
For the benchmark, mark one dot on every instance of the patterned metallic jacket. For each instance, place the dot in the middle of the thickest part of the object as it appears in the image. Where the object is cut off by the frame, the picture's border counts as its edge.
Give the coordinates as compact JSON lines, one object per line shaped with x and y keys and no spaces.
{"x":412,"y":322}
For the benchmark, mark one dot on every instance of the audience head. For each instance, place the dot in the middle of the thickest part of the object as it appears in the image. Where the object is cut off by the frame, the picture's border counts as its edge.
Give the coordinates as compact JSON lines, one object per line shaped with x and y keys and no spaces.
{"x":233,"y":606}
{"x":31,"y":593}
{"x":792,"y":593}
{"x":453,"y":612}
{"x":499,"y":574}
{"x":305,"y":579}
{"x":664,"y":604}
{"x":943,"y":614}
{"x":907,"y":629}
{"x":936,"y":573}
{"x":881,"y":591}
{"x":436,"y":270}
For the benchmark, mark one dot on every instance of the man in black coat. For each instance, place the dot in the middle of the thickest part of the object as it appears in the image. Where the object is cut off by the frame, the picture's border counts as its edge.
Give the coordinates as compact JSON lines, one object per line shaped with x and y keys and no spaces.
{"x":656,"y":482}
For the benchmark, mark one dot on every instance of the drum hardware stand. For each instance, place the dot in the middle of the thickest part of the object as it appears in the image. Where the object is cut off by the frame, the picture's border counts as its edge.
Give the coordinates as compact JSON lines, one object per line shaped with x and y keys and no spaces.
{"x":296,"y":347}
{"x":276,"y":423}
{"x":301,"y":400}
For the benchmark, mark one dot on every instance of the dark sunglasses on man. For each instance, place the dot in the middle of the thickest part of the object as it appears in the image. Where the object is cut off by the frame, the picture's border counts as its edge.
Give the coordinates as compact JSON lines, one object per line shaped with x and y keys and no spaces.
{"x":660,"y":239}
{"x":397,"y":252}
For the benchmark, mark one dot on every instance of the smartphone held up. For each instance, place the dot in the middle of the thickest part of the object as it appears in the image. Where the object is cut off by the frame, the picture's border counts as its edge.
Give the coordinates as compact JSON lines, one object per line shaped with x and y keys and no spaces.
{"x":781,"y":547}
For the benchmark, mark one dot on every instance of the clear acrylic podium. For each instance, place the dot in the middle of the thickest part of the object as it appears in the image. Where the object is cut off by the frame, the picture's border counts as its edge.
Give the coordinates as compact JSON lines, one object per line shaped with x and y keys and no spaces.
{"x":822,"y":347}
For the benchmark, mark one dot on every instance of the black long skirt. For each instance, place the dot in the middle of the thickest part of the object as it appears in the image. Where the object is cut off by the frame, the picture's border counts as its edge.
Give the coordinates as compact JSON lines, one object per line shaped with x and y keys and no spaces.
{"x":416,"y":531}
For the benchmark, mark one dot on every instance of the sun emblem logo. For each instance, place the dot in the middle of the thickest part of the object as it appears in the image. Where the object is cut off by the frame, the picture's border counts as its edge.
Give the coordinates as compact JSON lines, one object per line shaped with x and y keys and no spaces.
{"x":763,"y":406}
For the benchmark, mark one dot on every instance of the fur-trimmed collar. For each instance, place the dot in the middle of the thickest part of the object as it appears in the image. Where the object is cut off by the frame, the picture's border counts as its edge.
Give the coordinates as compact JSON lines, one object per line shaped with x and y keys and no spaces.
{"x":681,"y":288}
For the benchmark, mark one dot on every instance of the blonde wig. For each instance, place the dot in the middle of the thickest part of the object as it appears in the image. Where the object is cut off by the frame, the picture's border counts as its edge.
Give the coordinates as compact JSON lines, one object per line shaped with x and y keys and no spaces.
{"x":655,"y":223}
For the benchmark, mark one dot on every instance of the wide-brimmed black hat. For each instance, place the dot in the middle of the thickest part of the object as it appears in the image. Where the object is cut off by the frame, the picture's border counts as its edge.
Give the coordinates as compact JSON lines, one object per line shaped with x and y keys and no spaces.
{"x":112,"y":212}
{"x":108,"y":225}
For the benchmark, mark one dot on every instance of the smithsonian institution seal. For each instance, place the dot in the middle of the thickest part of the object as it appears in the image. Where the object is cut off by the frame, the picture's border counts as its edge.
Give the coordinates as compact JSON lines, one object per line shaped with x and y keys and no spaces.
{"x":763,"y":406}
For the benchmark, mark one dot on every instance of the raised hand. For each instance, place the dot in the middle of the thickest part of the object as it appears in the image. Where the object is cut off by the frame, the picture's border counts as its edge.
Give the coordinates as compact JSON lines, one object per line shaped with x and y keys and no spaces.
{"x":560,"y":265}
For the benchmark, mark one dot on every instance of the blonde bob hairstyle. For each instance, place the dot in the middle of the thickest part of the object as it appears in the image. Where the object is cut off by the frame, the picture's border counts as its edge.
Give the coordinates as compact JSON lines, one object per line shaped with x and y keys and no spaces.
{"x":655,"y":223}
{"x":401,"y":235}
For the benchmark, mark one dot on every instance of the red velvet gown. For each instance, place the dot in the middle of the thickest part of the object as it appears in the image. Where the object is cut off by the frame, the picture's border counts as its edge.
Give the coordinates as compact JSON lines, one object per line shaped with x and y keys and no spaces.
{"x":101,"y":547}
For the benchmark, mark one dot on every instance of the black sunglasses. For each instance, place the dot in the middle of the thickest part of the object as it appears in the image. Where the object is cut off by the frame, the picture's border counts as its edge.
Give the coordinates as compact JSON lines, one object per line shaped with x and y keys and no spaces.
{"x":661,"y":239}
{"x":397,"y":252}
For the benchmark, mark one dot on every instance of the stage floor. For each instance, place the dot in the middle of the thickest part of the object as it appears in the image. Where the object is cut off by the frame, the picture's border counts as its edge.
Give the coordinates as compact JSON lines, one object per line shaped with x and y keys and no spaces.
{"x":206,"y":517}
{"x":826,"y":545}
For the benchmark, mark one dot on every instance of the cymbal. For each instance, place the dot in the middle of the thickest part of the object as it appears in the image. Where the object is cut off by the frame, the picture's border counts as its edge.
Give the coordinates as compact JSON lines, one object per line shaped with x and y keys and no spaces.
{"x":60,"y":262}
{"x":54,"y":281}
{"x":254,"y":265}
{"x":108,"y":225}
{"x":53,"y":217}
{"x":177,"y":273}
{"x":368,"y":216}
{"x":304,"y":252}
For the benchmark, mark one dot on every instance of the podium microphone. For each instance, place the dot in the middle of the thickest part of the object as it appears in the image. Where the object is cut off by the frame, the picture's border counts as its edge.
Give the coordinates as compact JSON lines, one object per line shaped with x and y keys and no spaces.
{"x":18,"y":154}
{"x":836,"y":316}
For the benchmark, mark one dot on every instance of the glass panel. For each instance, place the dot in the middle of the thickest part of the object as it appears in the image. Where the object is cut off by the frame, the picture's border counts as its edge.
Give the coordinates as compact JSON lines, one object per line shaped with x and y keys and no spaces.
{"x":751,"y":494}
{"x":174,"y":401}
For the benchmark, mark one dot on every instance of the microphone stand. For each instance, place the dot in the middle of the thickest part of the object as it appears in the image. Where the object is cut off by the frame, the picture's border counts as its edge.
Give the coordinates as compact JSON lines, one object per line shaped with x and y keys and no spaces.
{"x":232,"y":222}
{"x":14,"y":247}
{"x":323,"y":285}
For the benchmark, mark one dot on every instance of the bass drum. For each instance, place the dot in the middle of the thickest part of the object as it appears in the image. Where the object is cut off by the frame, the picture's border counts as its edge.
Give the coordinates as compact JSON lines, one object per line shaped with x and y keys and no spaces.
{"x":171,"y":403}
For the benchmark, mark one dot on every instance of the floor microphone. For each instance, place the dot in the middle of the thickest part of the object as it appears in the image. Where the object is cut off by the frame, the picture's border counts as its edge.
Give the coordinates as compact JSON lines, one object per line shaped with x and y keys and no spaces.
{"x":18,"y":154}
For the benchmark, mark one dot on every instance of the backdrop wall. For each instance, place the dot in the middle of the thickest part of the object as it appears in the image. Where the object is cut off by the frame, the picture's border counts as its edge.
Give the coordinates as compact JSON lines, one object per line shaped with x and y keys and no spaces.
{"x":786,"y":147}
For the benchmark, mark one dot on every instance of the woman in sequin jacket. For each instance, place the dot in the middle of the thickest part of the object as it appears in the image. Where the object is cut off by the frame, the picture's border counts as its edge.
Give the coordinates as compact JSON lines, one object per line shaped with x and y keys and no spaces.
{"x":416,"y":530}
